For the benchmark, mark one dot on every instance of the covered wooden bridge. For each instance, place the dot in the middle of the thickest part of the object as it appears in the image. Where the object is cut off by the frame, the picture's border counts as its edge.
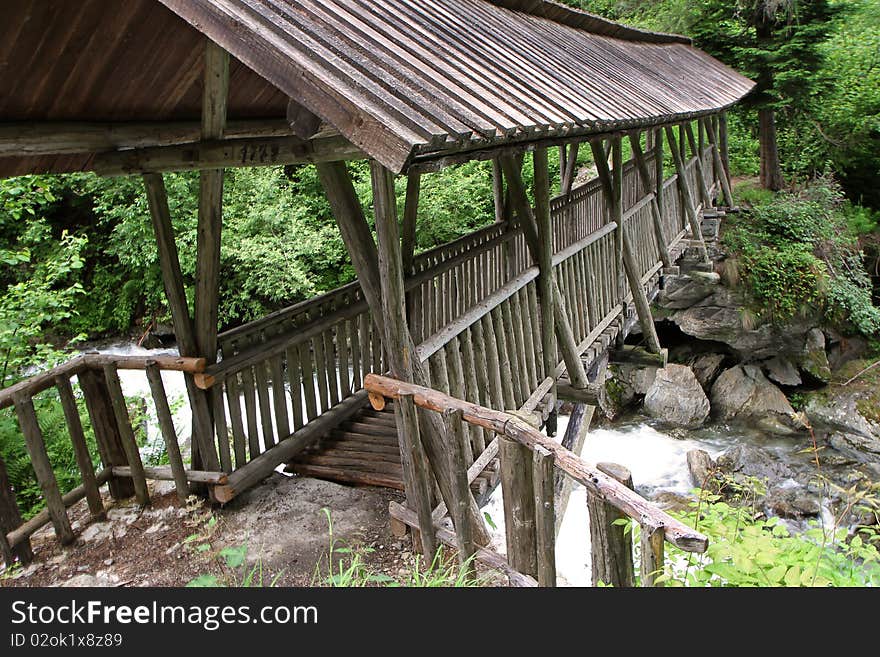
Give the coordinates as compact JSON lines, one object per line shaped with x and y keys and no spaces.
{"x":508,"y":319}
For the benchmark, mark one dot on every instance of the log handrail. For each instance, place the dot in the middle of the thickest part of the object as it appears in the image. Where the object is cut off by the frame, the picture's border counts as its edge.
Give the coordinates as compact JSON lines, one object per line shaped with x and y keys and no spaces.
{"x":596,"y":482}
{"x":44,"y":380}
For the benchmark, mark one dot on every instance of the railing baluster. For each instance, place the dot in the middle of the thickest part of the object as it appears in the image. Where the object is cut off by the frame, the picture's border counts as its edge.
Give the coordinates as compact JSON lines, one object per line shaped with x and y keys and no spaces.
{"x":545,"y":516}
{"x":126,"y":433}
{"x":169,"y":435}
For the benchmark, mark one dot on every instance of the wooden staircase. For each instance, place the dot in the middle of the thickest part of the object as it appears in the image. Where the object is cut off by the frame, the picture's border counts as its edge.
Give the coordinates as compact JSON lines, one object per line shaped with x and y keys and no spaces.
{"x":363,"y":451}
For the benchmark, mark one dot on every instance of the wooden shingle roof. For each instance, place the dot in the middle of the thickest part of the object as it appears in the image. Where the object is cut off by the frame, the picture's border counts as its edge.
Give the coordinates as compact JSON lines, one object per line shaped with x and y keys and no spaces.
{"x":401,"y":79}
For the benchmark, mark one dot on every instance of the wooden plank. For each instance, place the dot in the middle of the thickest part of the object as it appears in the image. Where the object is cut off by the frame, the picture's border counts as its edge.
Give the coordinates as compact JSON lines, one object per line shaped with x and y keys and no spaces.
{"x":504,"y":358}
{"x":308,"y":381}
{"x":415,"y":471}
{"x":342,"y":359}
{"x":478,"y":438}
{"x":126,"y":433}
{"x":545,"y":518}
{"x":169,"y":435}
{"x":348,"y":476}
{"x":250,"y":409}
{"x":457,"y":389}
{"x":594,"y":481}
{"x":410,"y":218}
{"x":221,"y":428}
{"x":184,"y":330}
{"x":165,"y":473}
{"x":262,"y":386}
{"x":610,"y":543}
{"x":233,"y":398}
{"x":519,"y":507}
{"x":80,"y":447}
{"x":645,"y":178}
{"x":332,"y":367}
{"x":36,"y":448}
{"x":686,"y":195}
{"x":279,"y":397}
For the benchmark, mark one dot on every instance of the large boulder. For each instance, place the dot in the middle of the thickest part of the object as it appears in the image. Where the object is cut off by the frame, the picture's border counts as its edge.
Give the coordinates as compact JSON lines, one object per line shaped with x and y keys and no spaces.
{"x":681,"y":292}
{"x":814,"y":360}
{"x":746,"y":460}
{"x":700,"y":466}
{"x":840,"y":413}
{"x":743,"y":394}
{"x":719,"y":318}
{"x":782,"y":371}
{"x":863,"y":449}
{"x":676,"y":397}
{"x":707,"y":367}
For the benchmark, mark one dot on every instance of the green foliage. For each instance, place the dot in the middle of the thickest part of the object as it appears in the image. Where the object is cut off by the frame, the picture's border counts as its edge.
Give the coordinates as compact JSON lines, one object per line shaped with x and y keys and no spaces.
{"x":800,"y":250}
{"x":58,"y":446}
{"x":748,"y":549}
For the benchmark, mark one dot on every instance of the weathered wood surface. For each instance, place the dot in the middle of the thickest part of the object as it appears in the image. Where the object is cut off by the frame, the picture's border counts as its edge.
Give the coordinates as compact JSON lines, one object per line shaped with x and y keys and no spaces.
{"x":10,"y":520}
{"x":36,"y":448}
{"x":165,"y":473}
{"x":596,"y":482}
{"x":573,"y":440}
{"x":652,"y":565}
{"x":545,"y":516}
{"x":610,"y":544}
{"x":169,"y":435}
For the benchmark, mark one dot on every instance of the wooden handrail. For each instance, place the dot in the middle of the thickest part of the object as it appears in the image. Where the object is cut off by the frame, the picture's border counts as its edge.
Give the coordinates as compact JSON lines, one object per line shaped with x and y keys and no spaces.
{"x":597,"y":483}
{"x":95,"y":361}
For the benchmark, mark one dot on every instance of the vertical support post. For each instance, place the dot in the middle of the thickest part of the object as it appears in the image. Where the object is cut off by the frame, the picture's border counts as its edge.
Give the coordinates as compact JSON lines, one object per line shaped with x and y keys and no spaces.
{"x":169,"y":435}
{"x":701,"y":175}
{"x":563,"y":165}
{"x":723,"y":147}
{"x":652,"y":554}
{"x":103,"y":421}
{"x":719,"y":164}
{"x":460,"y":518}
{"x":611,"y":546}
{"x":398,"y":343}
{"x":157,"y":198}
{"x":80,"y":448}
{"x":408,"y":248}
{"x":658,"y":170}
{"x":617,"y":212}
{"x":686,"y":196}
{"x":10,"y":518}
{"x":570,"y":169}
{"x":519,"y":508}
{"x":129,"y":444}
{"x":573,"y":440}
{"x":545,"y":518}
{"x":497,"y":190}
{"x":36,"y":447}
{"x":549,"y":349}
{"x":645,"y":178}
{"x":215,"y":92}
{"x":415,"y":472}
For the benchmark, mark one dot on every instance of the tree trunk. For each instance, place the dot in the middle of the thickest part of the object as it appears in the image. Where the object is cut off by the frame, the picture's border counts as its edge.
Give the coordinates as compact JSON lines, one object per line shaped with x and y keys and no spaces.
{"x":771,"y":171}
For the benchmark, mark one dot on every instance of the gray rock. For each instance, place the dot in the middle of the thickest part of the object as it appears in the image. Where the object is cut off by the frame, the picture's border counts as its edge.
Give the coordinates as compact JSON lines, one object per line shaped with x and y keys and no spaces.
{"x":743,"y":394}
{"x":814,"y":360}
{"x":782,"y":370}
{"x":718,"y":317}
{"x":97,"y":532}
{"x":751,"y":461}
{"x":700,"y":465}
{"x":860,"y":448}
{"x":681,"y":292}
{"x":840,"y":414}
{"x":677,"y":398}
{"x":637,"y":377}
{"x":707,"y":367}
{"x":792,"y":502}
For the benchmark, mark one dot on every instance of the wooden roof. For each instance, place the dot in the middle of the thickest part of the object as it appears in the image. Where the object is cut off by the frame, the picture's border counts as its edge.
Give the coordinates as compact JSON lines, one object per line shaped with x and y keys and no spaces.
{"x":400,"y":79}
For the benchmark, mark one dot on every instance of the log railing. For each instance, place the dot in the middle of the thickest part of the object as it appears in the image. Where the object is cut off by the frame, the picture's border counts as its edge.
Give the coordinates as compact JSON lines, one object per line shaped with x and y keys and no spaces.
{"x":94,"y":380}
{"x":529,"y":460}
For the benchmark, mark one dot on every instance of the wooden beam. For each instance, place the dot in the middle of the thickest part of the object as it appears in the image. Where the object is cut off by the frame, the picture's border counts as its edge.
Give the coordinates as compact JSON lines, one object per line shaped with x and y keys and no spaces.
{"x":225,"y":153}
{"x":410,"y":221}
{"x":686,"y":195}
{"x":519,"y":505}
{"x":645,"y":179}
{"x":63,"y":138}
{"x":545,"y":518}
{"x":302,"y":121}
{"x":573,"y":440}
{"x":10,"y":520}
{"x":401,"y":350}
{"x":643,"y":308}
{"x":215,"y":92}
{"x":184,"y":331}
{"x":545,"y":260}
{"x":723,"y":147}
{"x":498,"y":189}
{"x":570,"y":169}
{"x":610,"y":542}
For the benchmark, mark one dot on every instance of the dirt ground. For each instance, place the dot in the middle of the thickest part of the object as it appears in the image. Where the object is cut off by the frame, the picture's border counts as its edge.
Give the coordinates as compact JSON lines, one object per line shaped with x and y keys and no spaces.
{"x":280,"y":523}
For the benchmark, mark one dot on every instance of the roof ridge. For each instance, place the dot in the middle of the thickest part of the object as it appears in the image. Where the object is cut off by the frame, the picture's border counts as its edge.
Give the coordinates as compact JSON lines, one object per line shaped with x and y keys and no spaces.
{"x":580,"y":19}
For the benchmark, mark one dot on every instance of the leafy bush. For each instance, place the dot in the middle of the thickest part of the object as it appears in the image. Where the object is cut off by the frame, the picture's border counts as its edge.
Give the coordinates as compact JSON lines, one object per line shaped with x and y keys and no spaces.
{"x":801,"y":249}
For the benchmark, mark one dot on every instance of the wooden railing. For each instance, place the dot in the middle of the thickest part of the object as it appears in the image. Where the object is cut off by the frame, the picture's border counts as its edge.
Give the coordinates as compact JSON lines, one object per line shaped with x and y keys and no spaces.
{"x":529,"y":460}
{"x":94,"y":379}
